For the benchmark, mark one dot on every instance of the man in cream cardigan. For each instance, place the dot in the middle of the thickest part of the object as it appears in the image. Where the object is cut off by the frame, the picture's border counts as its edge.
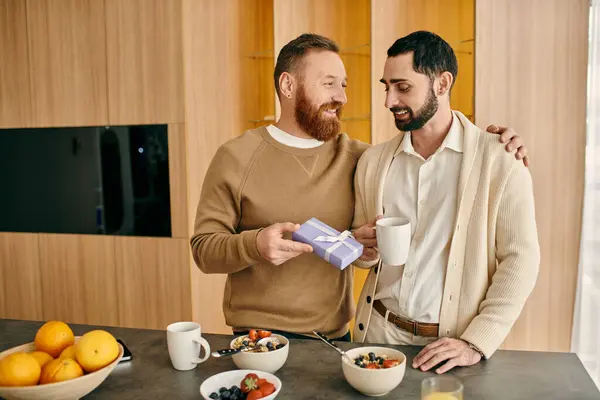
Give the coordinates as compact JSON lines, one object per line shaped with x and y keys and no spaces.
{"x":474,"y":253}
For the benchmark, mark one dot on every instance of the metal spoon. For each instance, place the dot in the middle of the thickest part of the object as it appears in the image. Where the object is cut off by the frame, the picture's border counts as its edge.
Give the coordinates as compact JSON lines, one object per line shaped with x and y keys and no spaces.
{"x":230,"y":352}
{"x":333,"y":346}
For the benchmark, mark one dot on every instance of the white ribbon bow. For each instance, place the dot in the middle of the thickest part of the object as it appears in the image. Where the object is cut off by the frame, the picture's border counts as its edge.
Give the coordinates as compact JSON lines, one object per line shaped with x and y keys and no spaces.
{"x":332,"y":237}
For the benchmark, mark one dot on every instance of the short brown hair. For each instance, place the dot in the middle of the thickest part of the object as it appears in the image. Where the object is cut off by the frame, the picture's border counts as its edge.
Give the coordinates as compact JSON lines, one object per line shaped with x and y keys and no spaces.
{"x":293,"y":52}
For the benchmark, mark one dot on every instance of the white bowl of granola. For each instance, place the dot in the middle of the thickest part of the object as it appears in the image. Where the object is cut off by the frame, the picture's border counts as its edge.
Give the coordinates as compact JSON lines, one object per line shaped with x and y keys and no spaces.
{"x":268,"y":358}
{"x":375,"y":371}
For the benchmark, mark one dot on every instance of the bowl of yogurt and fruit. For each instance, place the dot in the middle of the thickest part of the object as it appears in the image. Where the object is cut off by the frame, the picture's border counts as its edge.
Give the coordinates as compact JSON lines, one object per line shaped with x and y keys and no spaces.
{"x":260,"y":350}
{"x":374,"y":371}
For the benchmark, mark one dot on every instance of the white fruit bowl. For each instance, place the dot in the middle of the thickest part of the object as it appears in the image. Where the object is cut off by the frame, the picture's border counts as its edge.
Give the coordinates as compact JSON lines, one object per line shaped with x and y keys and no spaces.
{"x":230,"y":378}
{"x":374,"y":382}
{"x":66,"y":390}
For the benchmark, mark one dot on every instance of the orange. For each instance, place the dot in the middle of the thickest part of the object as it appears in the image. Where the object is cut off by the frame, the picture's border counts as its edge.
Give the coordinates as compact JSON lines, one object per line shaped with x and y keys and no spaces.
{"x":19,"y":369}
{"x":41,"y":357}
{"x":96,"y":349}
{"x":60,"y":370}
{"x":53,"y":337}
{"x":69,"y":352}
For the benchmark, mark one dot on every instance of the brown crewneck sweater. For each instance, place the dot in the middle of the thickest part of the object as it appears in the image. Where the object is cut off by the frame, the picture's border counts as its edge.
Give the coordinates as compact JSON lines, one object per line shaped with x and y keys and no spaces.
{"x":252,"y":182}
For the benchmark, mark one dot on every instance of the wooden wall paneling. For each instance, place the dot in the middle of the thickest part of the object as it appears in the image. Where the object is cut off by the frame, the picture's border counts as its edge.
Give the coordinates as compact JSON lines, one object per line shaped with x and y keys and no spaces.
{"x":20,"y":283}
{"x":67,"y":53}
{"x":347,"y":22}
{"x":257,"y":58}
{"x":212,"y":29}
{"x":178,"y":181}
{"x":531,"y":75}
{"x":15,"y":95}
{"x":79,"y":279}
{"x":153,"y":282}
{"x":145,"y":61}
{"x":238,"y":37}
{"x":453,"y":20}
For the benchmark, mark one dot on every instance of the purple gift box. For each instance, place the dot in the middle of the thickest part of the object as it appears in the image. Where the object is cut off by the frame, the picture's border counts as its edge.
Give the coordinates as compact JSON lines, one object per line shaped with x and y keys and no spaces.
{"x":337,"y":248}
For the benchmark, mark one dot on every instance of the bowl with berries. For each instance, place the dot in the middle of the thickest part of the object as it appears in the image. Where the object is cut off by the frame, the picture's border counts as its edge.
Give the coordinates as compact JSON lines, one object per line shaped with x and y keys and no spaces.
{"x":260,"y":350}
{"x":374,"y":371}
{"x":241,"y":385}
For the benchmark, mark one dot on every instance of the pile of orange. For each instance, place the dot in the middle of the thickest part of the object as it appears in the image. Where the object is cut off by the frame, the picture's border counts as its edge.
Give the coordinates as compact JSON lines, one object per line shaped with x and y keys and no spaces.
{"x":57,"y":357}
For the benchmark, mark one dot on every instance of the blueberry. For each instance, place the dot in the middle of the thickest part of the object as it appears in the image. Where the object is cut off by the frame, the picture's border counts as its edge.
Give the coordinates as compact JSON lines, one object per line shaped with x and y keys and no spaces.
{"x":358,"y":361}
{"x":371,"y":356}
{"x":226,"y":395}
{"x":245,"y":343}
{"x":222,"y":389}
{"x":270,"y":346}
{"x":280,"y":345}
{"x":379,"y":360}
{"x":234,"y":396}
{"x":214,"y":395}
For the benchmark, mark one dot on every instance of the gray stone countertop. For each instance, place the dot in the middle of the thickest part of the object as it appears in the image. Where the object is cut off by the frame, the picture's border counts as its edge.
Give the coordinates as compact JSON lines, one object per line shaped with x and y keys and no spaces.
{"x":313,"y":371}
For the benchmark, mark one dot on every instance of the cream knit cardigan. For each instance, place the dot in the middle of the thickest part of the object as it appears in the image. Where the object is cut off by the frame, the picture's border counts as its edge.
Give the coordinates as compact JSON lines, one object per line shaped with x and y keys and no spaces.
{"x":494,"y":255}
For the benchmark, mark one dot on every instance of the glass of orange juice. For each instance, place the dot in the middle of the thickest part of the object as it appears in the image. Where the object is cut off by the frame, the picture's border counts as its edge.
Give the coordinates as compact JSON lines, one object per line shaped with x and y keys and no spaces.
{"x":441,"y":388}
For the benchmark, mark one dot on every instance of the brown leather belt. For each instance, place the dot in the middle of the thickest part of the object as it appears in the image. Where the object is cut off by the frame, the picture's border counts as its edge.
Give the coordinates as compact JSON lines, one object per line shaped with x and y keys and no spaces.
{"x":406,"y":324}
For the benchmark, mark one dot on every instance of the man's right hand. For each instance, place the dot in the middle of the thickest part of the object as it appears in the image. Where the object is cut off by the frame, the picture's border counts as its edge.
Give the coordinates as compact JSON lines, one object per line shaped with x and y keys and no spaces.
{"x":277,"y":250}
{"x":367,"y":236}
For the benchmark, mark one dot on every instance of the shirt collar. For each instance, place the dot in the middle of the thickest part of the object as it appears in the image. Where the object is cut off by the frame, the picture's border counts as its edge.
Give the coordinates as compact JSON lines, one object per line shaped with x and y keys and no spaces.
{"x":454,"y":140}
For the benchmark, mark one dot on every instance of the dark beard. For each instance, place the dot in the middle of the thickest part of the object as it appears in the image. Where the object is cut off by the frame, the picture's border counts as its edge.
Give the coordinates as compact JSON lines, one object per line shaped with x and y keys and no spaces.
{"x":313,"y":122}
{"x":423,"y":115}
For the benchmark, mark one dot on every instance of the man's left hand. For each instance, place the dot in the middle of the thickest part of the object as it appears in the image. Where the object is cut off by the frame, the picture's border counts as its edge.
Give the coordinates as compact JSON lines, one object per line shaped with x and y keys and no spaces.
{"x":457,"y":353}
{"x":512,"y":140}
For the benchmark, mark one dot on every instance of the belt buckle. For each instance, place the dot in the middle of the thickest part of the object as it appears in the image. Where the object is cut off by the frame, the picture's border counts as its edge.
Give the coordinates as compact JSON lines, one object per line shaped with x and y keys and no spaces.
{"x":413,"y":323}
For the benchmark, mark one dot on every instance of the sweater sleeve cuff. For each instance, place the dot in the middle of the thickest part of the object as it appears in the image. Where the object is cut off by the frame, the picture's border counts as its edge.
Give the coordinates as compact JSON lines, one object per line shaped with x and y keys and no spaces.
{"x":484,"y":339}
{"x":250,"y":246}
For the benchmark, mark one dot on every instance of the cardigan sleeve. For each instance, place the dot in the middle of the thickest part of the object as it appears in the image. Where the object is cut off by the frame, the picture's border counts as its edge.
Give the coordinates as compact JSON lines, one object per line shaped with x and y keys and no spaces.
{"x":518,"y":259}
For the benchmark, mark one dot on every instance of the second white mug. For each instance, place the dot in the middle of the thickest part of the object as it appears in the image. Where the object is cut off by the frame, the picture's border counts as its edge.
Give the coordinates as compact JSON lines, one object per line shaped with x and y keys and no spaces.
{"x":393,"y":240}
{"x":184,"y":341}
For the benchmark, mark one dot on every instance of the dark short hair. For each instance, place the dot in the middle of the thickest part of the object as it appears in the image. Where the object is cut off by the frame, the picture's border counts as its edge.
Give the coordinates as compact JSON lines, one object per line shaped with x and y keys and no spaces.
{"x":432,"y":55}
{"x":292,"y":53}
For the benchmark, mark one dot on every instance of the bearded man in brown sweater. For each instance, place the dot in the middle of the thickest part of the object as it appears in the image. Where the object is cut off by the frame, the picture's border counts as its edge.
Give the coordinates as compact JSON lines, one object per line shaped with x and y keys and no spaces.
{"x":261,"y":185}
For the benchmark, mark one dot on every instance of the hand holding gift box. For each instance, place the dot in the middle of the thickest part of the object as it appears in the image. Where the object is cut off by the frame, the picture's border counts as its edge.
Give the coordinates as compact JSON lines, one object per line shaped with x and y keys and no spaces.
{"x":337,"y":248}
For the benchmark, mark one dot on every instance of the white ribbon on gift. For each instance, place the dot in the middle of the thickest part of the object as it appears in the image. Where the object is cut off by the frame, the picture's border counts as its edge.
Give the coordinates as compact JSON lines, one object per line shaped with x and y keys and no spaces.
{"x":332,"y":237}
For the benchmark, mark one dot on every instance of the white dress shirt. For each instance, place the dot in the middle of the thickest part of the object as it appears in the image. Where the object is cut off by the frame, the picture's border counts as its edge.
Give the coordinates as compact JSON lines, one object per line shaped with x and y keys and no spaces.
{"x":425,"y":192}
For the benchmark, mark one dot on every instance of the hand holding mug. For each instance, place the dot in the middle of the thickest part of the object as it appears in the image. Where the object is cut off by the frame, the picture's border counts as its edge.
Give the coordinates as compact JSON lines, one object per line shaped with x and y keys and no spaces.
{"x":367,"y":236}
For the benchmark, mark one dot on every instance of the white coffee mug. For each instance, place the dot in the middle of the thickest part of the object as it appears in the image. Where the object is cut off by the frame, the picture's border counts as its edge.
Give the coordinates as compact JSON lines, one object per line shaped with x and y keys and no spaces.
{"x":393,"y":240}
{"x":184,"y":341}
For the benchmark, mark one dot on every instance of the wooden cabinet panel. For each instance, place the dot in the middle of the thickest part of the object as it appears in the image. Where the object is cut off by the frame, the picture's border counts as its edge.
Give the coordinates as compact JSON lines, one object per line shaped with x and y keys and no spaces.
{"x":531,"y":76}
{"x":15,"y":95}
{"x":205,"y":127}
{"x":20,"y":283}
{"x":145,"y":66}
{"x":177,"y":182}
{"x":453,"y":20}
{"x":154,"y":281}
{"x":348,"y":23}
{"x":79,"y":281}
{"x":67,"y":51}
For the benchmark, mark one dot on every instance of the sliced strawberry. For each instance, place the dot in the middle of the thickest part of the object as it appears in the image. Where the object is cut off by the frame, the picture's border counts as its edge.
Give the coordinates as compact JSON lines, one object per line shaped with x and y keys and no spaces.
{"x":261,"y":382}
{"x":254,"y":395}
{"x":267,"y":389}
{"x":253,"y":335}
{"x":249,"y":383}
{"x":264,"y":334}
{"x":390,"y":363}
